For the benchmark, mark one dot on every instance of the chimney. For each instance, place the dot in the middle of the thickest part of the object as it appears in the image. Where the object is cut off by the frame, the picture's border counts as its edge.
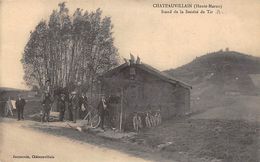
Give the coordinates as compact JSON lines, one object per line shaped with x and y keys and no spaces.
{"x":227,"y":49}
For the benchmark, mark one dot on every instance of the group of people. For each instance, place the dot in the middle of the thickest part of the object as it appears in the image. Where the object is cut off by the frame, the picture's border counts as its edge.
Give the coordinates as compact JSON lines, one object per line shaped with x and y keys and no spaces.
{"x":19,"y":106}
{"x":151,"y":119}
{"x":75,"y":105}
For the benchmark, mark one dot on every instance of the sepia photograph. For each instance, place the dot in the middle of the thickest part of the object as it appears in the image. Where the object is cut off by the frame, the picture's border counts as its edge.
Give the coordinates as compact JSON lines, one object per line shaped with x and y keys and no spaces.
{"x":129,"y":81}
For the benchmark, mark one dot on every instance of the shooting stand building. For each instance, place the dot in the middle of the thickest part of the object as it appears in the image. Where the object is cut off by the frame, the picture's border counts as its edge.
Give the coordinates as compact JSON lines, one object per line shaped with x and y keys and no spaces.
{"x":138,"y":87}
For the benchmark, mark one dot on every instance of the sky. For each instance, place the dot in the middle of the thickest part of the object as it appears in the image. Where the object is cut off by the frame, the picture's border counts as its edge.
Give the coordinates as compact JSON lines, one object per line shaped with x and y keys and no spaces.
{"x":162,"y":40}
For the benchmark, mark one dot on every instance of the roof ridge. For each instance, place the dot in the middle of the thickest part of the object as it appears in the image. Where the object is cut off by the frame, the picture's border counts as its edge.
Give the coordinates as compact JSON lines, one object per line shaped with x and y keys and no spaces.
{"x":152,"y":70}
{"x":163,"y":74}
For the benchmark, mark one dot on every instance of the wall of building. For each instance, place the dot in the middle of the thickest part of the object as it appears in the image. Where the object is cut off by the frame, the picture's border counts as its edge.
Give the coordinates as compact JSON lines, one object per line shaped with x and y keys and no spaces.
{"x":149,"y":92}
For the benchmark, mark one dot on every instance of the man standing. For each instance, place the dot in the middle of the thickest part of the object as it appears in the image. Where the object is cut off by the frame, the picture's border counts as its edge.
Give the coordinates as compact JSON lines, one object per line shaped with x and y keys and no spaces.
{"x":103,"y":109}
{"x":69,"y":112}
{"x":9,"y":107}
{"x":74,"y":105}
{"x":61,"y":106}
{"x":83,"y":106}
{"x":19,"y":104}
{"x":46,"y":104}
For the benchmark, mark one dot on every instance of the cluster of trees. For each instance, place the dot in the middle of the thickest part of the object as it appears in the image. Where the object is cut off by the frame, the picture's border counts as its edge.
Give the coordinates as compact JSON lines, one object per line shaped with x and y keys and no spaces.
{"x":68,"y":49}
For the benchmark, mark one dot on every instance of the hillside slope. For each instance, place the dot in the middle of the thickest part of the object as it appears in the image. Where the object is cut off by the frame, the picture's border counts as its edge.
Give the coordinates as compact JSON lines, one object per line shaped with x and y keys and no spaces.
{"x":218,"y":67}
{"x":218,"y":77}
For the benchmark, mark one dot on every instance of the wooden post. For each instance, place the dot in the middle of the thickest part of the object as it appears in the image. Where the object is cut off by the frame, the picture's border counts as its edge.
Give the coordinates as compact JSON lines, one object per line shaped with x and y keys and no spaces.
{"x":121,"y":110}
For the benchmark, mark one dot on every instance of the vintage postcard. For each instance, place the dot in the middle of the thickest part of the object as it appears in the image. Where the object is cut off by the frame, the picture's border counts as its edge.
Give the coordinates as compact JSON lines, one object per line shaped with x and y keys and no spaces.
{"x":129,"y":80}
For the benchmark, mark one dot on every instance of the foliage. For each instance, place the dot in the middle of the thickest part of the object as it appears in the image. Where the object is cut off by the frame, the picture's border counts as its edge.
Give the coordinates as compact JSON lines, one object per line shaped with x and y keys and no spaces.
{"x":68,"y":49}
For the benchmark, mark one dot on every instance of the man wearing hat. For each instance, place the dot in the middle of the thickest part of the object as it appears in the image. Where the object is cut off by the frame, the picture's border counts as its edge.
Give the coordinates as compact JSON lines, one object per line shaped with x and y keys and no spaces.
{"x":69,"y":112}
{"x":104,"y":112}
{"x":102,"y":106}
{"x":74,"y":105}
{"x":83,"y":105}
{"x":46,"y":104}
{"x":19,"y":104}
{"x":61,"y":106}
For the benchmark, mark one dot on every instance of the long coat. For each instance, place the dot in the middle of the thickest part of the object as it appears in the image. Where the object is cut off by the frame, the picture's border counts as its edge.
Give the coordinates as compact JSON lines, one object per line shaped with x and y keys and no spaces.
{"x":74,"y":101}
{"x":19,"y":104}
{"x":47,"y":103}
{"x":61,"y":105}
{"x":101,"y":108}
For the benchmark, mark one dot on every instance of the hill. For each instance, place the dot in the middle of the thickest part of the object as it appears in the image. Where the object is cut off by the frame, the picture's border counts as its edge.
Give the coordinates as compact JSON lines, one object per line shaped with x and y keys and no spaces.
{"x":218,"y":77}
{"x":217,"y":65}
{"x":230,"y":71}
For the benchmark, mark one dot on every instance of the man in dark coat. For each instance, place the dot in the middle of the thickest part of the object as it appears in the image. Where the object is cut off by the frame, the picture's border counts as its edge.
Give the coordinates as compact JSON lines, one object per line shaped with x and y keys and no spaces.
{"x":46,"y":104}
{"x":69,"y":112}
{"x":19,"y":104}
{"x":74,"y":105}
{"x":83,"y":106}
{"x":61,"y":106}
{"x":103,"y":109}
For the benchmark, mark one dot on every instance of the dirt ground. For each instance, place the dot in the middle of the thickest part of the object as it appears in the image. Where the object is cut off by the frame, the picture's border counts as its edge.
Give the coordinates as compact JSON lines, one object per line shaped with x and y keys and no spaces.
{"x":17,"y":140}
{"x":227,"y":133}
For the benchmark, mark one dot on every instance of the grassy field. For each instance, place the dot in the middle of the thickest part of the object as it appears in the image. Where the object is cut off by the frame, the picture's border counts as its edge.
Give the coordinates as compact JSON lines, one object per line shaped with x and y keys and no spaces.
{"x":223,"y":140}
{"x":227,"y":133}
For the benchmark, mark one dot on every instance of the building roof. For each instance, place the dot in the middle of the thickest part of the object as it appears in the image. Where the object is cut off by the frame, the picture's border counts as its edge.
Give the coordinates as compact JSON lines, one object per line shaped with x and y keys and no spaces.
{"x":149,"y":69}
